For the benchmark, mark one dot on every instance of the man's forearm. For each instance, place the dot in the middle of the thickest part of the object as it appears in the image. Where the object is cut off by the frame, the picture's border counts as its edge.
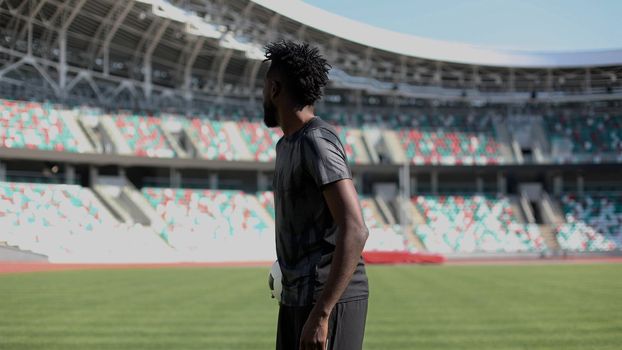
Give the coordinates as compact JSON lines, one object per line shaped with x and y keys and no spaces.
{"x":349,"y":246}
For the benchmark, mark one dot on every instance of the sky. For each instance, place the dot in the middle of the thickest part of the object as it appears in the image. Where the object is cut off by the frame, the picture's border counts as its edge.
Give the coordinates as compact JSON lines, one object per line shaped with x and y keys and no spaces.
{"x":532,"y":25}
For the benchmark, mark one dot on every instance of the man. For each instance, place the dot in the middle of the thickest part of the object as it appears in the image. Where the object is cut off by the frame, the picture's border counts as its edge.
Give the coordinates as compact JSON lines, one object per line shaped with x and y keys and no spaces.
{"x":320,"y":232}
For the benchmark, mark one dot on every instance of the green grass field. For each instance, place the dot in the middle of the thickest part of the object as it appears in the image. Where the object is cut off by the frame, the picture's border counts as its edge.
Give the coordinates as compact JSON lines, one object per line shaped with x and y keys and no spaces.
{"x":411,"y":307}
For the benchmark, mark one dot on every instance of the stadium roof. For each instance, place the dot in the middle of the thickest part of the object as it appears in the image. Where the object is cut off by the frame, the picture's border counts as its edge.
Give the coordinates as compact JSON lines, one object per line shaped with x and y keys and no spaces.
{"x":410,"y":45}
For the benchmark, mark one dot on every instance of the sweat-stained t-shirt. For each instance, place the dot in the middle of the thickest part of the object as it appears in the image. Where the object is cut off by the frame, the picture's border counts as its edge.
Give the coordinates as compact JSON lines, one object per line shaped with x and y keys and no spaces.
{"x":306,"y":161}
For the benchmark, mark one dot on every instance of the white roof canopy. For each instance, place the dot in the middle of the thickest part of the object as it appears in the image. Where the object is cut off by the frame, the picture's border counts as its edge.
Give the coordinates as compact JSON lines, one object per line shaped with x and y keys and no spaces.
{"x":410,"y":45}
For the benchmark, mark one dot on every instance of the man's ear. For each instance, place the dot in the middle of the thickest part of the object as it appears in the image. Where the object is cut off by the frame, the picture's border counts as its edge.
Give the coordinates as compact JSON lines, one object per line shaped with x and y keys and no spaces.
{"x":275,"y":89}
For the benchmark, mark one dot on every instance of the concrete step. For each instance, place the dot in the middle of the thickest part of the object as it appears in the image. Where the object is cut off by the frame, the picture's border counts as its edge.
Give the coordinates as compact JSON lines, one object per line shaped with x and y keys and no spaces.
{"x":548,"y":233}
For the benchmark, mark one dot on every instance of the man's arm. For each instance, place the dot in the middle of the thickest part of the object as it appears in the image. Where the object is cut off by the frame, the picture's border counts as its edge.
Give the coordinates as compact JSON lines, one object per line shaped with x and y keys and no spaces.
{"x":344,"y":206}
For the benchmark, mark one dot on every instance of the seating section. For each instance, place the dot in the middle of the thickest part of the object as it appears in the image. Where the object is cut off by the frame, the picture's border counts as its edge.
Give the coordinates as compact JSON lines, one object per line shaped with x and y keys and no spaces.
{"x":212,"y":139}
{"x":439,"y":139}
{"x":448,"y":140}
{"x":382,"y":237}
{"x":579,"y":236}
{"x":55,"y":220}
{"x":587,"y":136}
{"x":260,"y":140}
{"x":594,"y":222}
{"x":219,"y":225}
{"x":144,"y":136}
{"x":474,"y":223}
{"x":35,"y":126}
{"x":355,"y":151}
{"x":266,"y":199}
{"x":449,"y":147}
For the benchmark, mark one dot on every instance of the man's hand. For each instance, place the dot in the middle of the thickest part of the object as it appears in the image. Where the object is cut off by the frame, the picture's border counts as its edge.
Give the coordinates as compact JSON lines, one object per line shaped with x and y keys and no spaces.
{"x":314,"y":333}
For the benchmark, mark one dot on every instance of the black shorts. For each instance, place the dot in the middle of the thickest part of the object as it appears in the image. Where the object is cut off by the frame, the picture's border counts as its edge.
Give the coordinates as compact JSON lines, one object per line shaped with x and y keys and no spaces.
{"x":346,"y":326}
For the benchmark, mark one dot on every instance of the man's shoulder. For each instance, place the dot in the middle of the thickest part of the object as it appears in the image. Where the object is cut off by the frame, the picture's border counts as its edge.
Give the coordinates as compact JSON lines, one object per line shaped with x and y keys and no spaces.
{"x":319,"y":128}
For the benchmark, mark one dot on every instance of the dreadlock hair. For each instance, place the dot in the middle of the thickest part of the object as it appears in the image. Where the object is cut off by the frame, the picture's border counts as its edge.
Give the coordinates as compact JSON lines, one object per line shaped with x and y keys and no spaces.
{"x":302,"y":67}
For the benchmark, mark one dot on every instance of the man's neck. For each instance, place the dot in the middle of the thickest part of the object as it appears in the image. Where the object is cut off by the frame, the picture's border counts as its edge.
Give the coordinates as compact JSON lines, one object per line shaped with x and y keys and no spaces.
{"x":293,"y":120}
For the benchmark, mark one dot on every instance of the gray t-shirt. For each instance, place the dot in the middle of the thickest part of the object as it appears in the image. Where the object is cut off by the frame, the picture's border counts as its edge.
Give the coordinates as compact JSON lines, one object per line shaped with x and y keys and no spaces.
{"x":306,"y":233}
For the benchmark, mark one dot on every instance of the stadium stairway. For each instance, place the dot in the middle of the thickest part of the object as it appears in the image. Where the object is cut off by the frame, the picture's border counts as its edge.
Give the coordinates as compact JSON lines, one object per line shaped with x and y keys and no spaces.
{"x":385,"y":210}
{"x":548,"y":233}
{"x":171,"y":129}
{"x":143,"y":205}
{"x":71,"y":121}
{"x":374,"y":144}
{"x":236,"y":139}
{"x":504,"y":139}
{"x":415,"y":218}
{"x":395,"y":151}
{"x":94,"y":130}
{"x":121,"y":203}
{"x":105,"y":195}
{"x":110,"y":129}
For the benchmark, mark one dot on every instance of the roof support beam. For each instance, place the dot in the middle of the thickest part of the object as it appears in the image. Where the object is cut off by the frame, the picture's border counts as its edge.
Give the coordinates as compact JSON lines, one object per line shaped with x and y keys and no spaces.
{"x":147,"y":84}
{"x":221,"y":71}
{"x":187,"y":88}
{"x":105,"y":48}
{"x":62,"y":46}
{"x":105,"y":23}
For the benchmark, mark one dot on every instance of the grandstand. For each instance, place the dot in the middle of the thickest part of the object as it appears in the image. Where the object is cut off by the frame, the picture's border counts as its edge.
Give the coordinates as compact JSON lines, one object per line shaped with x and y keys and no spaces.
{"x":132,"y":132}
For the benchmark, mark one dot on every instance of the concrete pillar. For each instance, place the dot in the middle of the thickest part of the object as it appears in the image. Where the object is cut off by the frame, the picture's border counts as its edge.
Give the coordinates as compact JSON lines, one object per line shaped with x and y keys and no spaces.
{"x":502,"y":183}
{"x":580,"y":184}
{"x":2,"y":171}
{"x":434,"y":182}
{"x":413,"y":185}
{"x":93,"y":174}
{"x":262,"y":181}
{"x":479,"y":184}
{"x":70,"y":174}
{"x":213,"y":181}
{"x":558,"y":185}
{"x":175,"y":178}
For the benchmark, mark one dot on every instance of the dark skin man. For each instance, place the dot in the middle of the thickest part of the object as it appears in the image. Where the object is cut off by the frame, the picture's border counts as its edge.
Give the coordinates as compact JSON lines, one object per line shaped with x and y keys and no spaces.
{"x":282,"y":106}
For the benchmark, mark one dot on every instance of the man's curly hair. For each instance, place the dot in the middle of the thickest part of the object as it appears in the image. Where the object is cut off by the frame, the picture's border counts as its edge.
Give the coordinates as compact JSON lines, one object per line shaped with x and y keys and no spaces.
{"x":303,"y":68}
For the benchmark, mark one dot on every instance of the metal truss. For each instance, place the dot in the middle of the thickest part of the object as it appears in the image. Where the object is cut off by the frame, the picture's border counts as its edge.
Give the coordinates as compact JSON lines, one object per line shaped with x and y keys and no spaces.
{"x":156,"y":53}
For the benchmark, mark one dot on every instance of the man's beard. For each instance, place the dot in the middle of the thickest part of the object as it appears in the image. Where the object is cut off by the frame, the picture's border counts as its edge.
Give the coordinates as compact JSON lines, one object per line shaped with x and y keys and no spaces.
{"x":269,"y":115}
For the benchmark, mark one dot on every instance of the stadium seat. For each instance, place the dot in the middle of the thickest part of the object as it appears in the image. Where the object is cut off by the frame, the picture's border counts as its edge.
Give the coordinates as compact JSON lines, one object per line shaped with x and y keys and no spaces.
{"x":588,"y":137}
{"x":212,"y":139}
{"x":219,"y":225}
{"x":593,"y":222}
{"x":261,"y":141}
{"x":143,"y":135}
{"x":35,"y":126}
{"x":474,"y":223}
{"x":449,"y":140}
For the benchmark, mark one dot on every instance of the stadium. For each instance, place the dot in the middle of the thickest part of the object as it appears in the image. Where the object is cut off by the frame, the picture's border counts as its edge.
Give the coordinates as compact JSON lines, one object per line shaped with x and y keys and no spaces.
{"x":134,"y":160}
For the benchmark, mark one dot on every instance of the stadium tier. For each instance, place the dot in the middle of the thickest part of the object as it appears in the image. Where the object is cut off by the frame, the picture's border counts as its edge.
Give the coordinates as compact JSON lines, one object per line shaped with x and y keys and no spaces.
{"x":261,"y":141}
{"x":35,"y":126}
{"x":593,"y":222}
{"x":68,"y":223}
{"x":474,"y":223}
{"x":266,"y":199}
{"x":582,"y":138}
{"x":449,"y":148}
{"x":449,"y":140}
{"x":214,"y":139}
{"x":419,"y":139}
{"x":143,"y":135}
{"x":382,"y":236}
{"x":213,"y":225}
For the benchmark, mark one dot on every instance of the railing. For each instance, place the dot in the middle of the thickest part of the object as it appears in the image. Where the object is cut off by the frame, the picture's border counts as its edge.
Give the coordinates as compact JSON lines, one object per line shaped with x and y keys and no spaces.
{"x":38,"y":177}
